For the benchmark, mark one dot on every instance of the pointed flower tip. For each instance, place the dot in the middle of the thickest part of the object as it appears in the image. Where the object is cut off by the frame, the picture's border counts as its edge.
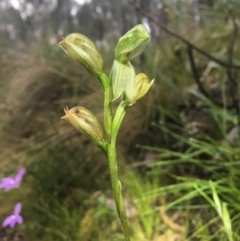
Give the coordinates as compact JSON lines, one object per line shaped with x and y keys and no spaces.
{"x":65,"y":117}
{"x":152,"y":82}
{"x":62,"y":40}
{"x":59,"y":43}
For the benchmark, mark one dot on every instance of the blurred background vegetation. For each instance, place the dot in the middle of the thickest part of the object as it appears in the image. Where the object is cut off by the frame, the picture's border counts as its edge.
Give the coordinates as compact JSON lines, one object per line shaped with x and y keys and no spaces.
{"x":179,"y":149}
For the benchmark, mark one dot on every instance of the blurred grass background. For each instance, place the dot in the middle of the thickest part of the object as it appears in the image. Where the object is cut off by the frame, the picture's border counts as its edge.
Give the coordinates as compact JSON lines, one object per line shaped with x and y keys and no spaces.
{"x":179,"y":149}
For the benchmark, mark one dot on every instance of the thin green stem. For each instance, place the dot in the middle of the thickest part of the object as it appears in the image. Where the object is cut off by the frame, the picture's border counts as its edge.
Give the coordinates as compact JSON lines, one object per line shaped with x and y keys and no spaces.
{"x":108,"y":119}
{"x":112,"y":158}
{"x":112,"y":127}
{"x":119,"y":115}
{"x":117,"y":194}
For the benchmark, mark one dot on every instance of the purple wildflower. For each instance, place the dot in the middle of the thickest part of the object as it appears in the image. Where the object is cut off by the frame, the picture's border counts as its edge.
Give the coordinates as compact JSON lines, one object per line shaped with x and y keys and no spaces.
{"x":8,"y":183}
{"x":14,"y":218}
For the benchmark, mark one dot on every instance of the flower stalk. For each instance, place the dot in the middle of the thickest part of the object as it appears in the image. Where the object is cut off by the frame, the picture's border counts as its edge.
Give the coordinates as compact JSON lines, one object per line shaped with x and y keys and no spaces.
{"x":113,"y":166}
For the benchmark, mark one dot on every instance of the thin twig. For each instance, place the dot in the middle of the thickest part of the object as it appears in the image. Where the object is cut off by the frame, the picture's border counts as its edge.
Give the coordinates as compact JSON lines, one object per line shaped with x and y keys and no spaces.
{"x":229,"y":71}
{"x":188,"y":43}
{"x":196,"y":76}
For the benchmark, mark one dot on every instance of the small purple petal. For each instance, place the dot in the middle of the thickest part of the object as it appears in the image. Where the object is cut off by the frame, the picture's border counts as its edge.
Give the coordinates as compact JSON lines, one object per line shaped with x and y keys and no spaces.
{"x":20,"y":175}
{"x":12,"y":224}
{"x":19,"y":219}
{"x":7,"y":183}
{"x":14,"y":218}
{"x":17,"y":209}
{"x":6,"y":180}
{"x":7,"y":221}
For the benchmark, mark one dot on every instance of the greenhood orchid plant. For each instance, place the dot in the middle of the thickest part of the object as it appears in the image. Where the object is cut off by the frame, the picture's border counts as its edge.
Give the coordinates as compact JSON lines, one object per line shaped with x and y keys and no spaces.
{"x":121,"y":83}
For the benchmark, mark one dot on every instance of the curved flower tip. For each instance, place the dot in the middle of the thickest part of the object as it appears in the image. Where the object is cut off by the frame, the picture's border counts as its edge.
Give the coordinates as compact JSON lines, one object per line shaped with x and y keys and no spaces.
{"x":8,"y":183}
{"x":14,"y":218}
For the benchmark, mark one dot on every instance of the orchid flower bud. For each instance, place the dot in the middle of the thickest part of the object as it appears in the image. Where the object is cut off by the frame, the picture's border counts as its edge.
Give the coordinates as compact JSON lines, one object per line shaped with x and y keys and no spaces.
{"x":86,"y":123}
{"x":84,"y":51}
{"x":142,"y":86}
{"x":132,"y":44}
{"x":123,"y":79}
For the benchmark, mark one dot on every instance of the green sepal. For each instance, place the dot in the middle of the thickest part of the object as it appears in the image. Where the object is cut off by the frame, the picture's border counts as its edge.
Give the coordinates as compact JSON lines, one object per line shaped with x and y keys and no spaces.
{"x":132,"y":44}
